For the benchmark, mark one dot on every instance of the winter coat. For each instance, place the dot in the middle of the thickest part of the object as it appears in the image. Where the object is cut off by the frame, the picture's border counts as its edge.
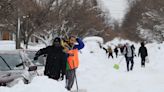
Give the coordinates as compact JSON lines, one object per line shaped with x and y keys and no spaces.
{"x":73,"y":60}
{"x":110,"y":50}
{"x":80,"y":44}
{"x":122,"y":49}
{"x":116,"y":50}
{"x":77,"y":47}
{"x":129,"y":51}
{"x":142,"y":51}
{"x":55,"y":62}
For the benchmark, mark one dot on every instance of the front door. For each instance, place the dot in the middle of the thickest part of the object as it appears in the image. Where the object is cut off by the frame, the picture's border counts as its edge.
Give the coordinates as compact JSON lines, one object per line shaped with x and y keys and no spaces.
{"x":6,"y":36}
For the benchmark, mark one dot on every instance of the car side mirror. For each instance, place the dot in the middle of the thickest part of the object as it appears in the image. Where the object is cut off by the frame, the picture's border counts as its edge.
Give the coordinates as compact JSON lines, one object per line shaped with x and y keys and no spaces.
{"x":32,"y":68}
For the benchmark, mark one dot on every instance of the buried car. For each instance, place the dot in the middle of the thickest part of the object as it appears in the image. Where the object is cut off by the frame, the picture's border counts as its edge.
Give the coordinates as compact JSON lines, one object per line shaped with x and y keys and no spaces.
{"x":15,"y":66}
{"x":31,"y":54}
{"x":40,"y":63}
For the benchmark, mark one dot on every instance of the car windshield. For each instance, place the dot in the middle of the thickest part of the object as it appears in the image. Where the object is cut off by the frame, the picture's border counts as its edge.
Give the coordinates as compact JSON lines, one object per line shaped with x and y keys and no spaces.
{"x":31,"y":55}
{"x":9,"y":61}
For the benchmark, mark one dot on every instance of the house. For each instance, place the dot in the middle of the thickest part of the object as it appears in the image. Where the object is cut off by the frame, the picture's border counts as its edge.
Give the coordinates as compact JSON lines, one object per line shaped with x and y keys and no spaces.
{"x":5,"y":35}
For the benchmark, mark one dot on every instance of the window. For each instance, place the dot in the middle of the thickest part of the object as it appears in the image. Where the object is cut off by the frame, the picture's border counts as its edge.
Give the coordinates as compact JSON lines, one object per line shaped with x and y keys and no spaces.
{"x":8,"y":61}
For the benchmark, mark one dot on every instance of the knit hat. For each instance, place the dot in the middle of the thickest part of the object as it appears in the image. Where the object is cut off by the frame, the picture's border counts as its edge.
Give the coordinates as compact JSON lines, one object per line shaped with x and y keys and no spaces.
{"x":57,"y":39}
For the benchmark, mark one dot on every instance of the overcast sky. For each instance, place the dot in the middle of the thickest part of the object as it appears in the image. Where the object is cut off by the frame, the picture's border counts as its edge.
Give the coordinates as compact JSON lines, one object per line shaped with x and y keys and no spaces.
{"x":117,"y":8}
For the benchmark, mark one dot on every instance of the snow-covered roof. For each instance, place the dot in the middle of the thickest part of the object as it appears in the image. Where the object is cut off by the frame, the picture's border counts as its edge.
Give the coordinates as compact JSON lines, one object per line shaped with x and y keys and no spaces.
{"x":94,"y":38}
{"x":7,"y":45}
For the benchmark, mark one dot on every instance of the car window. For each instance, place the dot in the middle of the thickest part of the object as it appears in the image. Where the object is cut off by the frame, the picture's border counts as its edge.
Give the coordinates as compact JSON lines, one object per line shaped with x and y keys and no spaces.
{"x":39,"y":62}
{"x":3,"y":65}
{"x":9,"y":61}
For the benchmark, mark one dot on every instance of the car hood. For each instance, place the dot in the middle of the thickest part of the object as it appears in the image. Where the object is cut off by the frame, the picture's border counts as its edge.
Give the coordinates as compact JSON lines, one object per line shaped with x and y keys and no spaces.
{"x":8,"y":76}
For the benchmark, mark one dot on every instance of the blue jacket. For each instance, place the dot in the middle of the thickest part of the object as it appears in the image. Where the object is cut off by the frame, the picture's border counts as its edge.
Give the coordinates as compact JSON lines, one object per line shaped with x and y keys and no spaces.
{"x":80,"y":44}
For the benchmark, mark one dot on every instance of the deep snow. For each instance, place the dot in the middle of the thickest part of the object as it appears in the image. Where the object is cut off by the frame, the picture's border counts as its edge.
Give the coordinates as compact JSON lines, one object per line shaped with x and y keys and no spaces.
{"x":96,"y":72}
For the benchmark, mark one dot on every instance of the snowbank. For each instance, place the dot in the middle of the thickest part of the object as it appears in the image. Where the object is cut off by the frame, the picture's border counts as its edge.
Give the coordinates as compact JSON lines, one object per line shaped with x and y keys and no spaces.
{"x":96,"y":72}
{"x":92,"y":44}
{"x":7,"y":45}
{"x":10,"y":45}
{"x":39,"y":84}
{"x":117,"y":41}
{"x":93,"y":39}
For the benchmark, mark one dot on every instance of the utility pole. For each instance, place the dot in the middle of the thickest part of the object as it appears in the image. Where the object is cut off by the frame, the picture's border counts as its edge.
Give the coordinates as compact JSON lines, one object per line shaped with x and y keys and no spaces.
{"x":18,"y":31}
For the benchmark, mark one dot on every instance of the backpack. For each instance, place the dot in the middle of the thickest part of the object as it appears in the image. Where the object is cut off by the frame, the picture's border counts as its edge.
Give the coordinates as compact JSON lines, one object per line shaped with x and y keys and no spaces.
{"x":129,"y":54}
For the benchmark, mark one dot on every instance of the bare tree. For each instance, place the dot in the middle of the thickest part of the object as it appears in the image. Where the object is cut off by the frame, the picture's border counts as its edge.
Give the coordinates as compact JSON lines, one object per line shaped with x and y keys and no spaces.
{"x":76,"y":17}
{"x":9,"y":17}
{"x":144,"y":15}
{"x":52,"y":18}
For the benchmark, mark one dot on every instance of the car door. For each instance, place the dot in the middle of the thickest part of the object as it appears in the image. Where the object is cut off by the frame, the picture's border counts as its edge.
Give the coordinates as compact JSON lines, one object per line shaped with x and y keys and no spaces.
{"x":8,"y":70}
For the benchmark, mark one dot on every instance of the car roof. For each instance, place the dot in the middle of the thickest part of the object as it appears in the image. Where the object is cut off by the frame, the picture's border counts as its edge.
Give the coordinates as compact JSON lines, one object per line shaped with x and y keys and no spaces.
{"x":9,"y":51}
{"x":17,"y":51}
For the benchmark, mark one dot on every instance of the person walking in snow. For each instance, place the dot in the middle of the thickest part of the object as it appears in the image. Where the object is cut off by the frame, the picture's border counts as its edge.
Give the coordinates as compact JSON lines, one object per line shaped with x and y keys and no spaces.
{"x":122,"y":48}
{"x":56,"y":62}
{"x":72,"y":60}
{"x":116,"y":51}
{"x":110,"y":52}
{"x":133,"y":47}
{"x":142,"y":53}
{"x":129,"y":55}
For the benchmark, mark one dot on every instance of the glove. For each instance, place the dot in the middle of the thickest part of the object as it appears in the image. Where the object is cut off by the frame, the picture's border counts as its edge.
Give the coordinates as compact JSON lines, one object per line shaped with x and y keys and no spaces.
{"x":35,"y":58}
{"x":62,"y":77}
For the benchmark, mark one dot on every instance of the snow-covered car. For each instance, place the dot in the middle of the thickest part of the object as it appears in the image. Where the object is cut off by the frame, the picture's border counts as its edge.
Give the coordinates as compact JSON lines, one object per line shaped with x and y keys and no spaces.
{"x":15,"y":66}
{"x":40,"y":63}
{"x":31,"y":54}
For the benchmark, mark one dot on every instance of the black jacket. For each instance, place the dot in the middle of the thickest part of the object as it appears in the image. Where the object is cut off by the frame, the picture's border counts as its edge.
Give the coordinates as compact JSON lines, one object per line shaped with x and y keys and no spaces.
{"x":55,"y":62}
{"x":142,"y":51}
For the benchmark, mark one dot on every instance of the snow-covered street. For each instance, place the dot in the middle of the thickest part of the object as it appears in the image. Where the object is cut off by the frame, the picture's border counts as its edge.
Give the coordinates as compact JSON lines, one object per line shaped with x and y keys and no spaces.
{"x":96,"y":73}
{"x":28,"y":26}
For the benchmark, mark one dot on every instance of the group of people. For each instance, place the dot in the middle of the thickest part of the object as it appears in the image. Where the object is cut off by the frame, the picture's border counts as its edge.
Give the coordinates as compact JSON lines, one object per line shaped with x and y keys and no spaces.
{"x":110,"y":51}
{"x":129,"y":52}
{"x":62,"y":59}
